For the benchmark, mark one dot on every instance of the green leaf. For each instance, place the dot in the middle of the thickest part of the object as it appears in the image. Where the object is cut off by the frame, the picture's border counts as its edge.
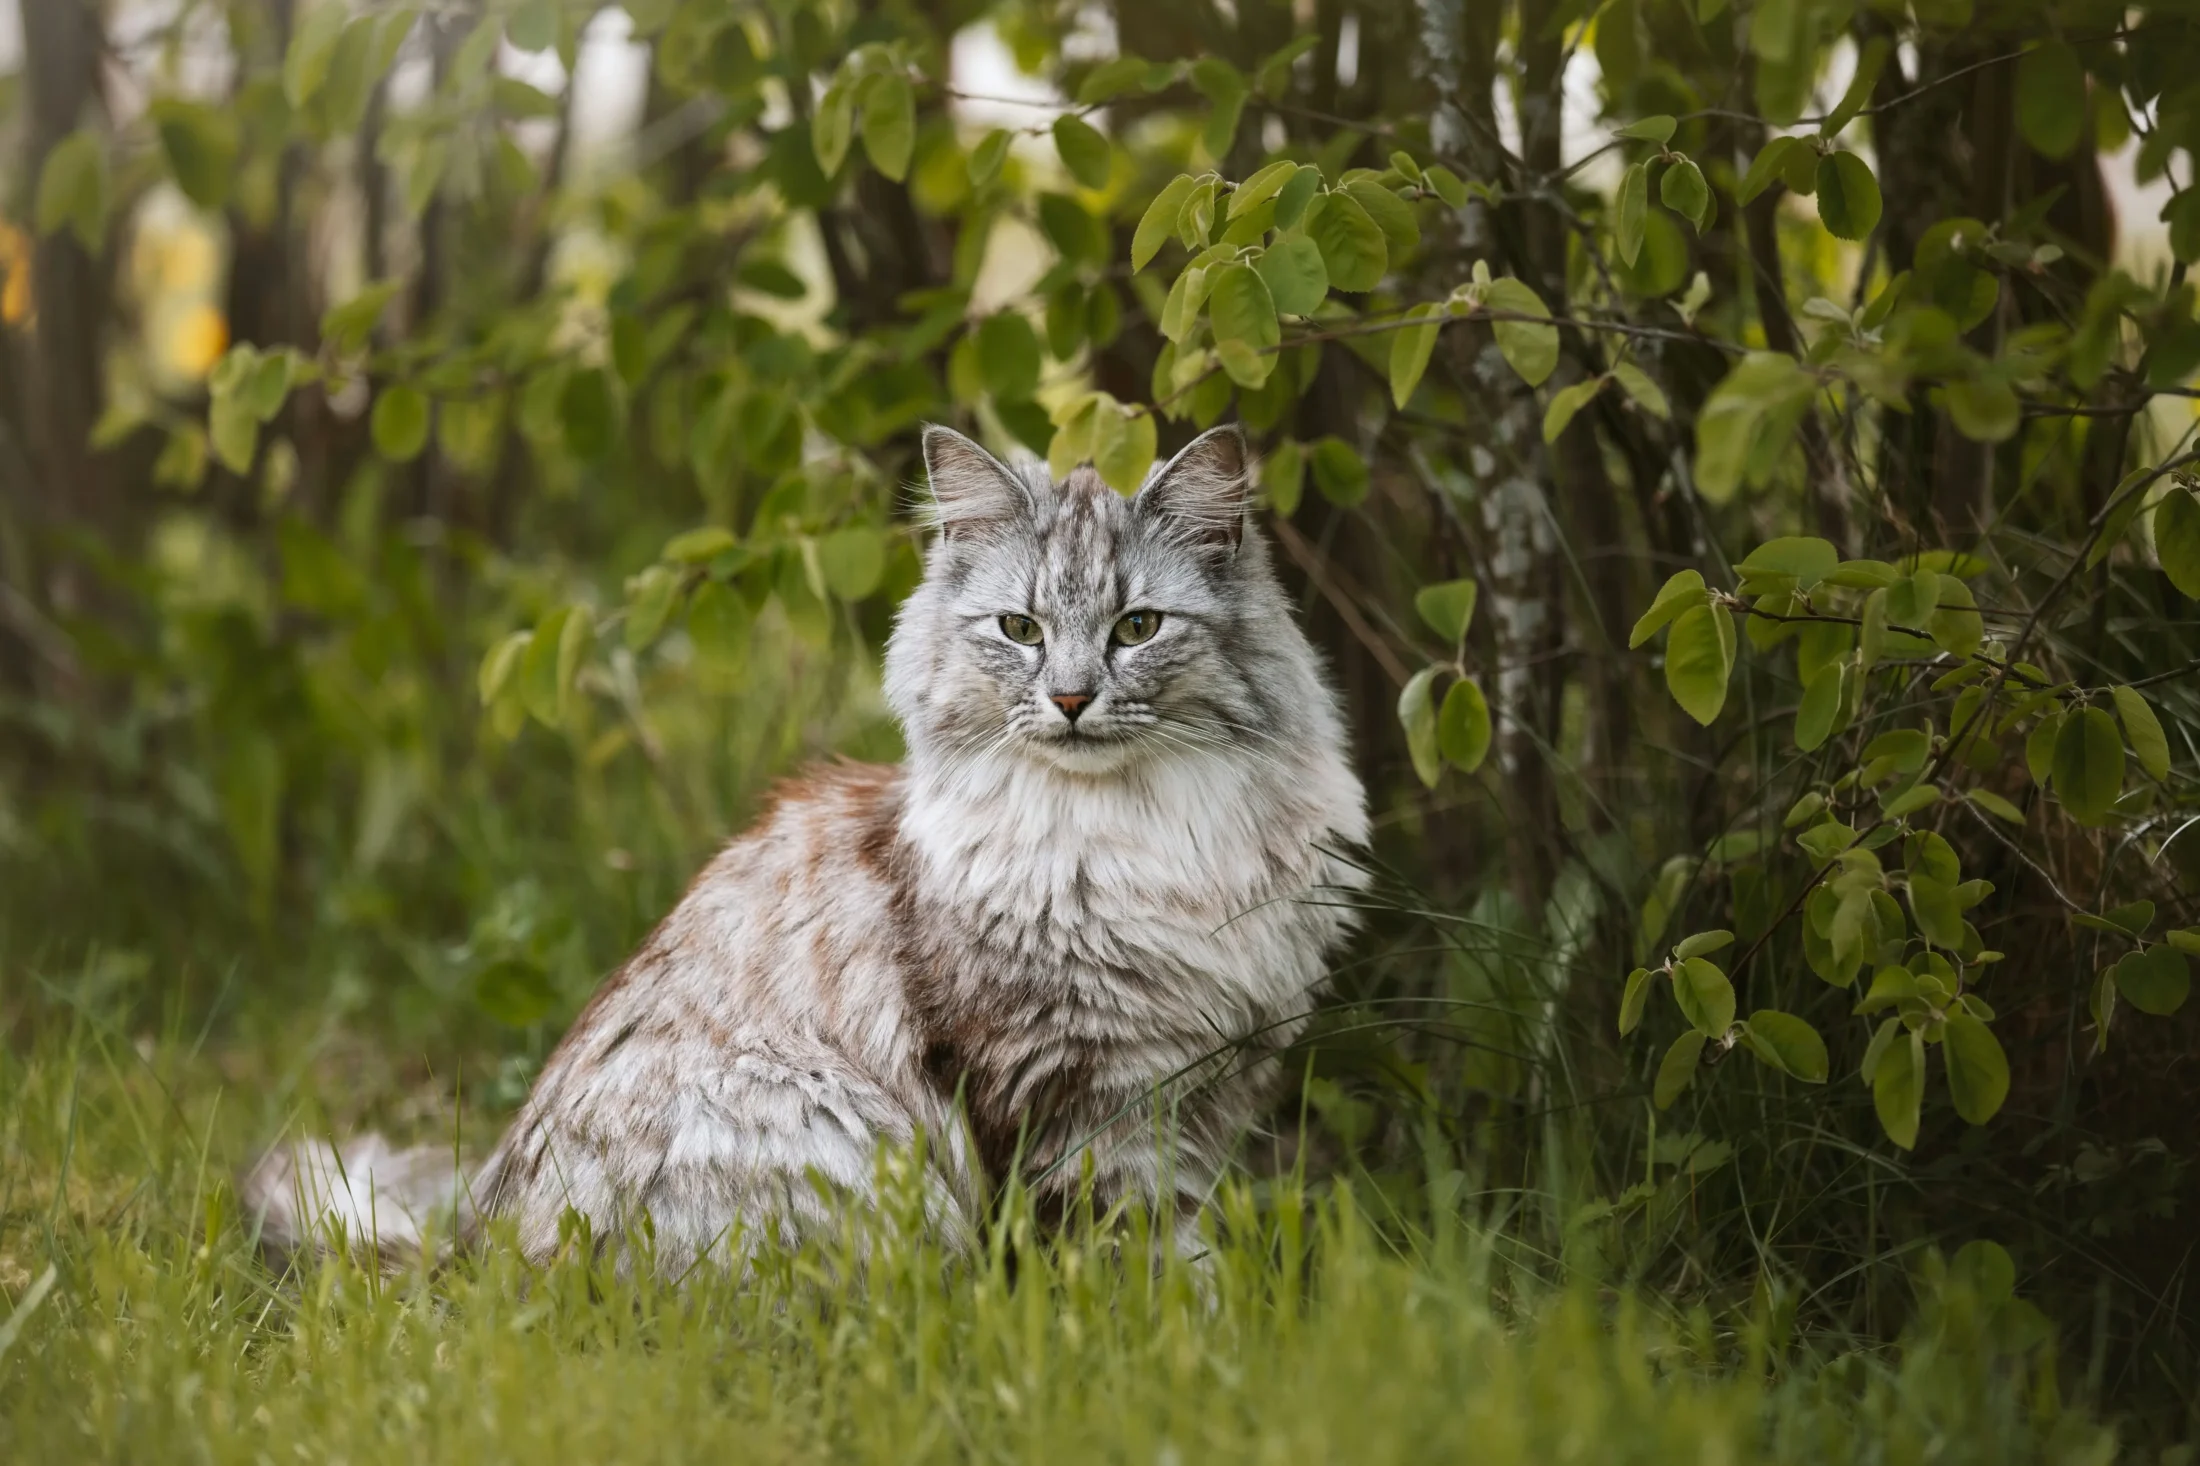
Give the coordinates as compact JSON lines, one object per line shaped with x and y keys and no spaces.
{"x":987,"y":158}
{"x":1805,"y":558}
{"x":1869,"y":63}
{"x":2039,"y":748}
{"x":699,"y":546}
{"x":1085,"y":153}
{"x":2089,"y":764}
{"x":1978,"y":1071}
{"x":2177,"y":539}
{"x":575,"y":638}
{"x":1339,"y":472}
{"x":589,"y":411}
{"x":1632,"y":999}
{"x":345,"y":328}
{"x":1984,"y":410}
{"x":1392,"y":214}
{"x":312,"y":45}
{"x":234,"y":432}
{"x":1890,"y":985}
{"x":1772,"y":162}
{"x":1645,"y":394}
{"x":852,"y":560}
{"x":1898,"y":1087}
{"x":1446,"y":184}
{"x":1463,"y":726}
{"x":1683,"y":190}
{"x":1703,"y":944}
{"x":1955,"y":623}
{"x":1987,"y":1268}
{"x":1939,"y":917}
{"x":651,"y":596}
{"x":2143,"y":731}
{"x":1008,"y":356}
{"x":1262,"y":186}
{"x":1654,"y":129}
{"x":1410,"y":348}
{"x":1114,"y":78}
{"x":833,"y":127}
{"x":1224,"y":86}
{"x":1705,"y":996}
{"x":1448,"y":608}
{"x":1126,"y":455}
{"x":890,"y":123}
{"x":2155,"y":981}
{"x":1788,"y":1044}
{"x":201,"y":147}
{"x":1634,"y":212}
{"x":1241,"y":309}
{"x":1352,"y":245}
{"x":400,"y":423}
{"x":1283,"y":477}
{"x":1566,"y":402}
{"x":1529,"y":347}
{"x":538,"y":668}
{"x":1699,"y":657}
{"x":1298,"y":191}
{"x":1677,"y":1070}
{"x":2051,"y":99}
{"x":498,"y":667}
{"x":1417,"y":715}
{"x":73,"y":189}
{"x":1297,"y":279}
{"x":1848,"y":196}
{"x":718,"y":624}
{"x":1684,"y":591}
{"x":1158,"y":223}
{"x":1995,"y":805}
{"x":1816,"y":714}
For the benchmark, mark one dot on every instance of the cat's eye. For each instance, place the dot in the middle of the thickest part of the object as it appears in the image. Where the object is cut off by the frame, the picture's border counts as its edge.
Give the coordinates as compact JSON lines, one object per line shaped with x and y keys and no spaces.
{"x":1137,"y":626}
{"x":1022,"y":630}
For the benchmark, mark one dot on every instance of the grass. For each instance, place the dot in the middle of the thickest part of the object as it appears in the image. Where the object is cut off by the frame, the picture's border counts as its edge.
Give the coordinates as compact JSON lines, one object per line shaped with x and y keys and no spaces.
{"x":1314,"y":1335}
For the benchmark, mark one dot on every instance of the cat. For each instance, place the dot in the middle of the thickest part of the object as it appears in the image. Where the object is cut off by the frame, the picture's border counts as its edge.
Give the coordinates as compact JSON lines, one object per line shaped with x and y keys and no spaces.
{"x":1067,"y":935}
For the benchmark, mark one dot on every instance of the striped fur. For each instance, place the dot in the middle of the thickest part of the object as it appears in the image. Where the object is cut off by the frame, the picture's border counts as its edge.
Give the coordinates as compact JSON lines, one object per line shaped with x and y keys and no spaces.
{"x":1035,"y":939}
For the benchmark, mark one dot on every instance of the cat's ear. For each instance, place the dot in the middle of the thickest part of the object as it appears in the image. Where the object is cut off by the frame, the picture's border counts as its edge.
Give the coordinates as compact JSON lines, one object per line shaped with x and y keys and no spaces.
{"x":971,"y":489}
{"x":1202,"y":491}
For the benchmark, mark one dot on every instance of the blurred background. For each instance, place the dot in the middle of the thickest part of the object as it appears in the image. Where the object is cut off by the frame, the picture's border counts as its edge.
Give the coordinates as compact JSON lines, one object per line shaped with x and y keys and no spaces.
{"x":453,"y":457}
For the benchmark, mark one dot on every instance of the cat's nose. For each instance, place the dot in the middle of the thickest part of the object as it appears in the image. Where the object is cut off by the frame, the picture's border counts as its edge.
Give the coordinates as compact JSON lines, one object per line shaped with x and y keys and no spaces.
{"x":1071,"y":703}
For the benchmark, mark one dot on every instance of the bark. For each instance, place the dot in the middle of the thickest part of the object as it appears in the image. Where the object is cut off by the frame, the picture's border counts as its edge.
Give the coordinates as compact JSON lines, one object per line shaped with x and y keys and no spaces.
{"x":62,"y":44}
{"x":1502,"y":465}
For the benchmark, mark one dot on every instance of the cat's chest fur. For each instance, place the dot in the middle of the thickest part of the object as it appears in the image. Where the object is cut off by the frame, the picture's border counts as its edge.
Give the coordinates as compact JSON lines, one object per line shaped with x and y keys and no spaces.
{"x":1070,"y":945}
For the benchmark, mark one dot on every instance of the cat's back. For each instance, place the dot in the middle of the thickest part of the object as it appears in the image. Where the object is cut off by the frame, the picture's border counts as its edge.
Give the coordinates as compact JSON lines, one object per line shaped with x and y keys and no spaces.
{"x":765,"y":1014}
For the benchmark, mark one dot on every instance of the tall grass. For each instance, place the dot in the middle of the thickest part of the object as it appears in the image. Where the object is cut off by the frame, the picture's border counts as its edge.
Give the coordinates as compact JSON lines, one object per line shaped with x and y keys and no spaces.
{"x":144,"y":1326}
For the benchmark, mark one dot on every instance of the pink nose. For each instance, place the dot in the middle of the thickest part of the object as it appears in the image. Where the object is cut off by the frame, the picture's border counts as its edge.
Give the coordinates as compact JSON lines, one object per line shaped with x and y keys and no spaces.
{"x":1071,"y":703}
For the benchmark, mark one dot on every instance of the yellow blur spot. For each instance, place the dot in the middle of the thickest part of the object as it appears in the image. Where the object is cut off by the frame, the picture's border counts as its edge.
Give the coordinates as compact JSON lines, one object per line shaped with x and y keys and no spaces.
{"x":196,"y":341}
{"x":15,"y":266}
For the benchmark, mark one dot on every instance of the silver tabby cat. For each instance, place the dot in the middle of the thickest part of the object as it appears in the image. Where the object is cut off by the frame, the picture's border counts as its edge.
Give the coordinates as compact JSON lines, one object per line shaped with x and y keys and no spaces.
{"x":1082,"y":916}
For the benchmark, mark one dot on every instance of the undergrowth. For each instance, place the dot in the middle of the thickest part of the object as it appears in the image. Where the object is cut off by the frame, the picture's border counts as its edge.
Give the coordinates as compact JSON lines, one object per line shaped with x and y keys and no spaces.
{"x":144,"y":1325}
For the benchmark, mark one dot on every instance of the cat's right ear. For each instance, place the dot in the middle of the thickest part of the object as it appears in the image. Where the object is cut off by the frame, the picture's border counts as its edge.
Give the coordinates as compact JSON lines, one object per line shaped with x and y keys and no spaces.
{"x":971,"y":489}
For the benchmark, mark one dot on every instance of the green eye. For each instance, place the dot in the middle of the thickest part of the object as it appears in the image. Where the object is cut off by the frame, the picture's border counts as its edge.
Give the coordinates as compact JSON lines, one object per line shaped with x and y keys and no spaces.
{"x":1137,"y":626}
{"x":1022,"y":630}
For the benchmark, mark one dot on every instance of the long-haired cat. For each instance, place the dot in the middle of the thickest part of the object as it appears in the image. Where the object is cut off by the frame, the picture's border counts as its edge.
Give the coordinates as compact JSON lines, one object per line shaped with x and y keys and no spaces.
{"x":1067,"y":934}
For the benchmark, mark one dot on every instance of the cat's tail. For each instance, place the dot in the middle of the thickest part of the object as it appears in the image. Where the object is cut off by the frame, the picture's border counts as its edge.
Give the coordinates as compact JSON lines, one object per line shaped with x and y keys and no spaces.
{"x":364,"y":1196}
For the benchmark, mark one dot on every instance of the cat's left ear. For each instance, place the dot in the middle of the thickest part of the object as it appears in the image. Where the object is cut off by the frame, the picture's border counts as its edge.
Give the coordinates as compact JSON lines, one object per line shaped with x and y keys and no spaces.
{"x":1202,"y":491}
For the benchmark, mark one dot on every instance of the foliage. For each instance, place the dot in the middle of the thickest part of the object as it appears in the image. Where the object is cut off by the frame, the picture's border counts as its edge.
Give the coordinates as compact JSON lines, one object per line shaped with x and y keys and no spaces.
{"x":398,"y":661}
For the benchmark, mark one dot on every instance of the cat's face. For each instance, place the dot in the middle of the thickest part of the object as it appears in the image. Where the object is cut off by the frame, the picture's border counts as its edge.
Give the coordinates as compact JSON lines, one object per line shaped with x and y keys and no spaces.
{"x":1064,"y":623}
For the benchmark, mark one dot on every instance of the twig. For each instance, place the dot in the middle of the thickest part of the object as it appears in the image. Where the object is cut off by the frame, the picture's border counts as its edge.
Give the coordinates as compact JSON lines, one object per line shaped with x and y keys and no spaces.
{"x":1295,"y":545}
